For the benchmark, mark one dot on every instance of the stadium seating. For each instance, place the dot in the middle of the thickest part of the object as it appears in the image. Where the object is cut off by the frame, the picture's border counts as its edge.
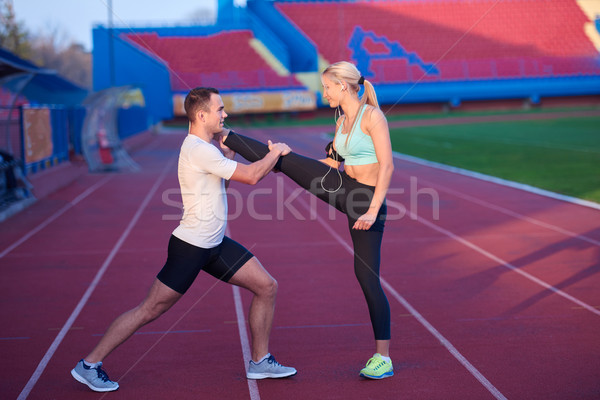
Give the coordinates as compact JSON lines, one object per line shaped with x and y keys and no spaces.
{"x":224,"y":60}
{"x":7,"y":98}
{"x":463,"y":39}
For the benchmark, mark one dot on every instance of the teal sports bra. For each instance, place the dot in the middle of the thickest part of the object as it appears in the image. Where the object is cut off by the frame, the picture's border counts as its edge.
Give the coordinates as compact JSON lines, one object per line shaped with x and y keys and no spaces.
{"x":360,"y":149}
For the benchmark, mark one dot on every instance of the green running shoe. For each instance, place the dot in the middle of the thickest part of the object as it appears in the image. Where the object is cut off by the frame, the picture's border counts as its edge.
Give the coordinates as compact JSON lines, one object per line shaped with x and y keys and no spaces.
{"x":377,"y":368}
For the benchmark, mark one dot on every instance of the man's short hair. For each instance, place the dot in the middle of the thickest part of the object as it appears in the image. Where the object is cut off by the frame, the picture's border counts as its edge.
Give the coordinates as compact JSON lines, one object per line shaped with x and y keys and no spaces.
{"x":198,"y":99}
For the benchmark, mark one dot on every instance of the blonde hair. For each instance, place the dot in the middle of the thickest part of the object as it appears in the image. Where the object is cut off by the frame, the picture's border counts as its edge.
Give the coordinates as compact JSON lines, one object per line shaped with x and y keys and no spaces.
{"x":347,"y":72}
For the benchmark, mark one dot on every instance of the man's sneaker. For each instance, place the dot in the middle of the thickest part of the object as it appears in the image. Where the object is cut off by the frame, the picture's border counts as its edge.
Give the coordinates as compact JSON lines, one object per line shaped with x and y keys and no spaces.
{"x":377,"y":368}
{"x":96,"y":378}
{"x":268,"y":368}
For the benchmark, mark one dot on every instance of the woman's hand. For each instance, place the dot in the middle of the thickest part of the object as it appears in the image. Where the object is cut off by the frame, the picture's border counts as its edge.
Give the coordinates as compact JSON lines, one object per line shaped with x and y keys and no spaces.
{"x":365,"y":221}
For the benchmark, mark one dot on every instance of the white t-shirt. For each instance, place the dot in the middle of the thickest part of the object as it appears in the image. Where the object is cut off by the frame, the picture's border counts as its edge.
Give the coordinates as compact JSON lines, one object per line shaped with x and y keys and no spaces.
{"x":202,"y":170}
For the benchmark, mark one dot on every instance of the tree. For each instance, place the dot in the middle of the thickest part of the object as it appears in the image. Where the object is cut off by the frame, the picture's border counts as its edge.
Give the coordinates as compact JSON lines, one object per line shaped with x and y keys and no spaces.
{"x":54,"y":49}
{"x":51,"y":48}
{"x":202,"y":16}
{"x":13,"y":35}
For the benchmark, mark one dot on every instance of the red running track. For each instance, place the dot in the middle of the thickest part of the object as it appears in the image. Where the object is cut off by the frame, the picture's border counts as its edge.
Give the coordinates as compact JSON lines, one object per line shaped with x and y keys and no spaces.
{"x":495,"y":297}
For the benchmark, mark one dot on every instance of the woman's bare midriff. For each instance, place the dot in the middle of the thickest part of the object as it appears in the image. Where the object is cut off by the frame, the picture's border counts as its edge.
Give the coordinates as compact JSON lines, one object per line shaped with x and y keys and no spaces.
{"x":365,"y":174}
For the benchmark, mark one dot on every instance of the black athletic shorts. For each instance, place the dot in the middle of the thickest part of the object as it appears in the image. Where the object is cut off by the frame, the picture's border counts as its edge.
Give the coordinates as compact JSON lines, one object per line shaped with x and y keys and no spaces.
{"x":184,"y":262}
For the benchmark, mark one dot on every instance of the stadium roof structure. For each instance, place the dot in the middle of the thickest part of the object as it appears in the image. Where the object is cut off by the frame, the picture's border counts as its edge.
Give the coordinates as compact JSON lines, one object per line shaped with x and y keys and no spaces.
{"x":41,"y":85}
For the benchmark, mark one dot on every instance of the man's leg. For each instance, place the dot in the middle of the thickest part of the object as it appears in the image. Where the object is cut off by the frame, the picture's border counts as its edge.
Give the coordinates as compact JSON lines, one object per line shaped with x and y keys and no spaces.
{"x":89,"y":370}
{"x":160,"y":298}
{"x":254,"y":277}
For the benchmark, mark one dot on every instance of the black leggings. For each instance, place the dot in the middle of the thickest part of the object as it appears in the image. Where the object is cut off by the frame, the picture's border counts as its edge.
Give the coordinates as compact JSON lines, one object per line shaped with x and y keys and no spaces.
{"x":353,"y":199}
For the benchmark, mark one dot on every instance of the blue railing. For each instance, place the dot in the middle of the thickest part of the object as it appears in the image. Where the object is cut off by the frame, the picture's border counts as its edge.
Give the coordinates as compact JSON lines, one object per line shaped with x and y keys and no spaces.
{"x":42,"y":137}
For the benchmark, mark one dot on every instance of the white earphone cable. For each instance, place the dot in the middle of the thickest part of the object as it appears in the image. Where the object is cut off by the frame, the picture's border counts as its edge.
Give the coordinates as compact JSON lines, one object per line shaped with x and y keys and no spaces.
{"x":337,"y":111}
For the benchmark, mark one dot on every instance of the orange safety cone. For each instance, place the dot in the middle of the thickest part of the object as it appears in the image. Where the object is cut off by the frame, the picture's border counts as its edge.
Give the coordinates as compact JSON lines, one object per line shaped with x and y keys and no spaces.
{"x":106,"y":156}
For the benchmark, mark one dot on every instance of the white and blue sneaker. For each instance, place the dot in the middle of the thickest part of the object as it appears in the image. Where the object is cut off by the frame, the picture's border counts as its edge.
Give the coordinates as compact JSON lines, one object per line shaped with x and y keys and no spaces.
{"x":94,"y":377}
{"x":268,"y":368}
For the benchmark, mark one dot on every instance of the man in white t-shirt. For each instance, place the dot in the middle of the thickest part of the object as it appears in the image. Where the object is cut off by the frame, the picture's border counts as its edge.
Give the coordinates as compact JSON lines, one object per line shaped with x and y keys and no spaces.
{"x":199,"y":243}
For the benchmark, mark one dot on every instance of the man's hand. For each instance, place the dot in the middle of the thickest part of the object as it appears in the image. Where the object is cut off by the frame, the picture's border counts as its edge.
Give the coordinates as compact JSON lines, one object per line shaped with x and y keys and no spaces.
{"x":224,"y":132}
{"x":227,"y":152}
{"x":253,"y":173}
{"x":283,"y":148}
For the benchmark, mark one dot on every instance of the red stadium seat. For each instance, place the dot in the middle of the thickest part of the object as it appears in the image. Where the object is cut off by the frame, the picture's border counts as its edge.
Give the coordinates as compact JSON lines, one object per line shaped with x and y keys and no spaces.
{"x":468,"y":39}
{"x":232,"y":65}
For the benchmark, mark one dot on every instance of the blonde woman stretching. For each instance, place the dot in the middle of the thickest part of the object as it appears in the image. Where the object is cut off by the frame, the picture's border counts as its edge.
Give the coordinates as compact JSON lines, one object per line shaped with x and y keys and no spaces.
{"x":362,"y":143}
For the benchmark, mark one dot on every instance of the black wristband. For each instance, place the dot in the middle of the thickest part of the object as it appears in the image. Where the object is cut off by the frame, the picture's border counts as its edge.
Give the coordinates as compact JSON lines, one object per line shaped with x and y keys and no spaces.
{"x":331,"y":153}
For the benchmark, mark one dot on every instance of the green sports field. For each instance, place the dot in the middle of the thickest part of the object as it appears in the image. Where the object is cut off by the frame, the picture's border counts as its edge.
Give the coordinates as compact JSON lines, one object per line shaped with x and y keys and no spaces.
{"x":561,"y":155}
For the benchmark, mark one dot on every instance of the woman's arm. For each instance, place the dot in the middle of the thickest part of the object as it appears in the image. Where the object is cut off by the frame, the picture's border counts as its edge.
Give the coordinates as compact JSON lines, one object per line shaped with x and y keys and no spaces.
{"x":333,"y":162}
{"x":377,"y":128}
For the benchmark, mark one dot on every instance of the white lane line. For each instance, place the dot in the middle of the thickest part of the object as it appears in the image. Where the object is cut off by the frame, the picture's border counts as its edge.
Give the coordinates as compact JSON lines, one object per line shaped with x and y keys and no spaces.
{"x":509,"y":212}
{"x":498,"y":181}
{"x":54,"y":216}
{"x":445,"y":342}
{"x":474,"y":371}
{"x":61,"y":335}
{"x":241,"y":322}
{"x":501,"y":261}
{"x":502,"y":182}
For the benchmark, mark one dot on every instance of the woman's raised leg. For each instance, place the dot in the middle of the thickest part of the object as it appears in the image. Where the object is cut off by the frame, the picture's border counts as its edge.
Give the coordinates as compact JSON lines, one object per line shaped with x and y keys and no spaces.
{"x":310,"y":174}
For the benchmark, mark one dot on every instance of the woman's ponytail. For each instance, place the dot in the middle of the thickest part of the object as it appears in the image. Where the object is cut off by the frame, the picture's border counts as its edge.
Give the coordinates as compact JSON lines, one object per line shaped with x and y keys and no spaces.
{"x":369,"y":95}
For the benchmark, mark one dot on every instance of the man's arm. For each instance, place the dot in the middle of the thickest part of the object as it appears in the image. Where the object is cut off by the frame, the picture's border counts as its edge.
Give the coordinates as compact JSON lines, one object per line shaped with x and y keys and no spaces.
{"x":227,"y":152}
{"x":251,"y":174}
